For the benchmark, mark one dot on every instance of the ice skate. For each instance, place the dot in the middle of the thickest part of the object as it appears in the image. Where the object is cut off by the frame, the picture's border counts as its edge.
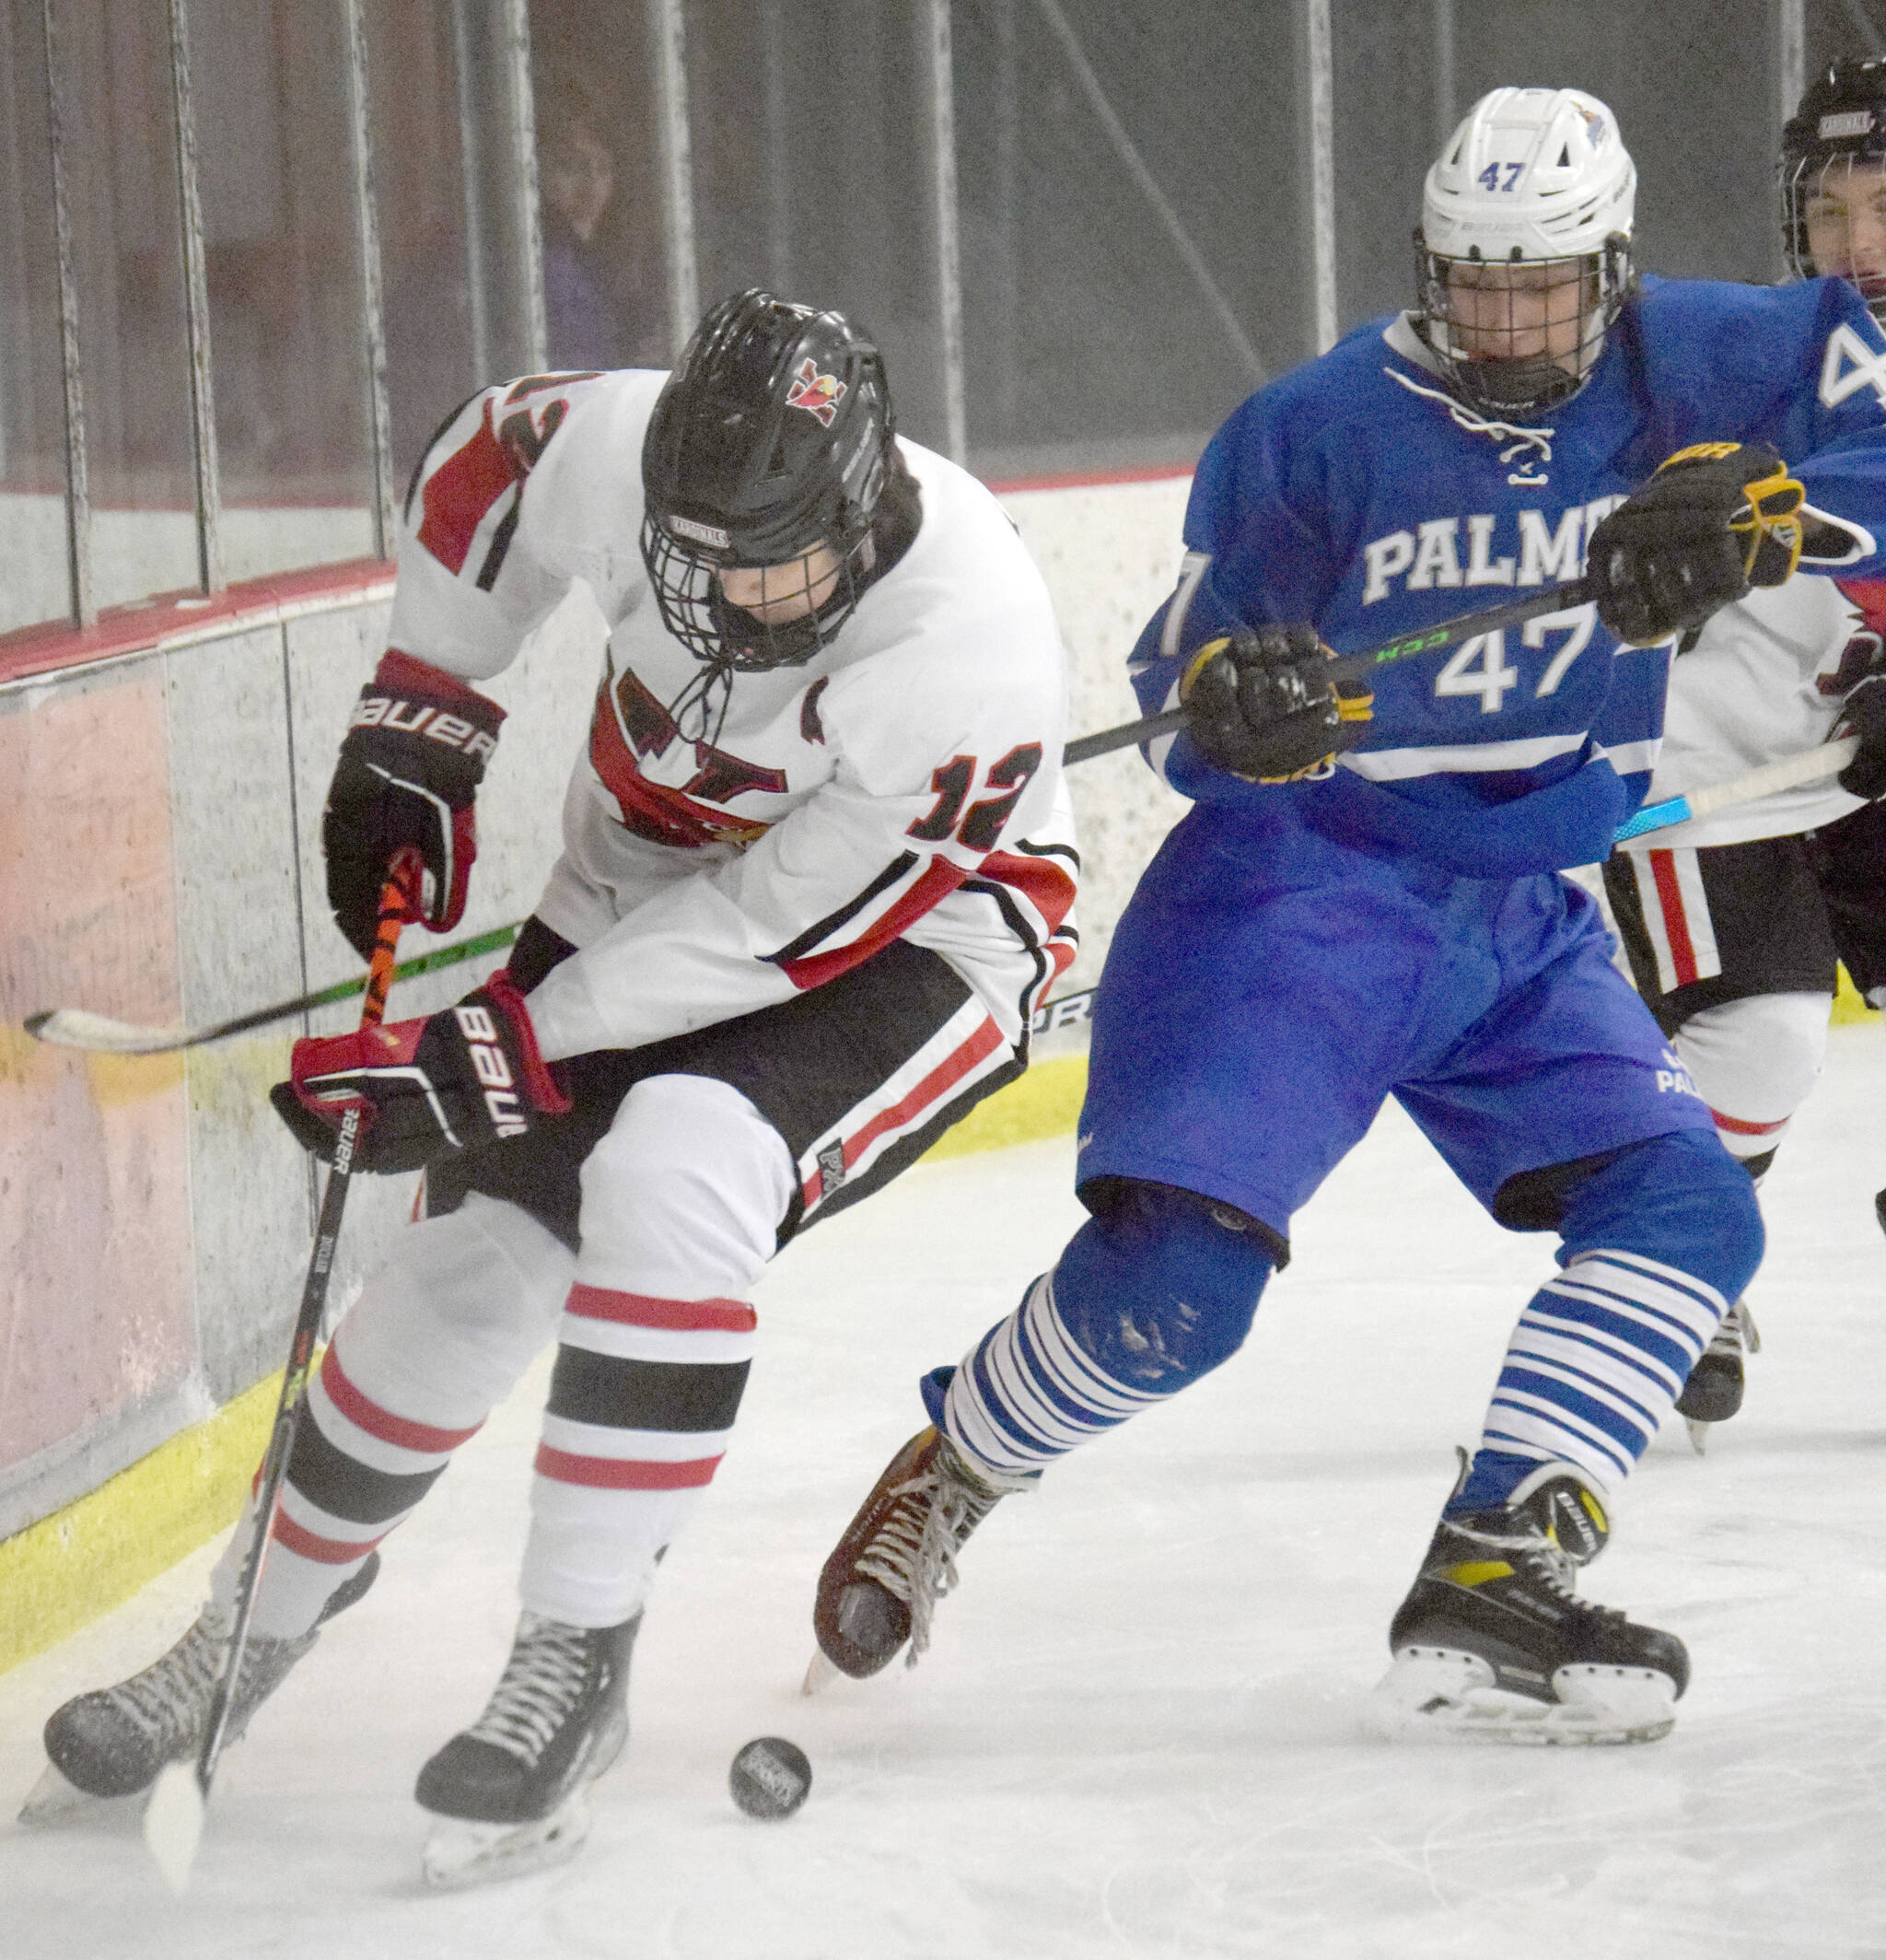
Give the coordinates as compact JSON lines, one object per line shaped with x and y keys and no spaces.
{"x":511,"y":1792}
{"x":1492,"y":1644}
{"x":113,"y":1742}
{"x":1714,"y":1392}
{"x":897,"y":1558}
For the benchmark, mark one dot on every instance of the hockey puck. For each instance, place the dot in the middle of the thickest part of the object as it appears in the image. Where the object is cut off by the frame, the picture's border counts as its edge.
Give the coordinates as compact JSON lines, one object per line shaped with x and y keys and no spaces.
{"x":770,"y":1777}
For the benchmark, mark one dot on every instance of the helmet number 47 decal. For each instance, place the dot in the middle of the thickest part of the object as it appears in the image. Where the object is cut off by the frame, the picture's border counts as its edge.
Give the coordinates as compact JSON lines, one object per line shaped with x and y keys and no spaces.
{"x":818,"y":394}
{"x":1850,"y":365}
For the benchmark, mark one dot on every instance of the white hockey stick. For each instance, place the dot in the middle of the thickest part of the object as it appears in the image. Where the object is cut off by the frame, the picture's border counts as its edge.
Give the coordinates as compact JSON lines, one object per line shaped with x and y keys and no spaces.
{"x":80,"y":1028}
{"x":1791,"y":772}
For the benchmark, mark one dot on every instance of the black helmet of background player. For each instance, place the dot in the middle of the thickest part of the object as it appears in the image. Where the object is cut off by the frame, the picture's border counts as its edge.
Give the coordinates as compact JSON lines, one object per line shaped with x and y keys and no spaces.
{"x":1523,"y":255}
{"x":1834,"y":180}
{"x":770,"y":443}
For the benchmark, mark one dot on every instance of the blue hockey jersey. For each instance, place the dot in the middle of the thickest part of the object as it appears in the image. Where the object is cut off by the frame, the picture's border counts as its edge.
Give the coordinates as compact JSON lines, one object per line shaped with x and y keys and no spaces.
{"x":1357,"y":493}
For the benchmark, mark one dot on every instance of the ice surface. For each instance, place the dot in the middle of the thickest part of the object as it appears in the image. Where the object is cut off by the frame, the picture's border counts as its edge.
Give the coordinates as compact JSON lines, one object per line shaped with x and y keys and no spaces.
{"x":1137,"y":1731}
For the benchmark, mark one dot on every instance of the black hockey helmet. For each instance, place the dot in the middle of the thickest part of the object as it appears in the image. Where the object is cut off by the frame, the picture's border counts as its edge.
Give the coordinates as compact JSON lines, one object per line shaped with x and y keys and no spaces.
{"x":1841,"y":123}
{"x":772,"y":438}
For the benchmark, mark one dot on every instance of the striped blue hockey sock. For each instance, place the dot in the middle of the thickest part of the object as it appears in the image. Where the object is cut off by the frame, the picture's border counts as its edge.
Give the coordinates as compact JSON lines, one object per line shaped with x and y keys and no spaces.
{"x":1026,"y":1393}
{"x":1599,"y":1355}
{"x":1155,"y":1290}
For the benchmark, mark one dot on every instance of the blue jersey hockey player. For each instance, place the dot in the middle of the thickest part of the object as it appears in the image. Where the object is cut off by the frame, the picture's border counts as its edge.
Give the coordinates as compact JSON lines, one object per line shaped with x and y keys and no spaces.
{"x":1364,"y":901}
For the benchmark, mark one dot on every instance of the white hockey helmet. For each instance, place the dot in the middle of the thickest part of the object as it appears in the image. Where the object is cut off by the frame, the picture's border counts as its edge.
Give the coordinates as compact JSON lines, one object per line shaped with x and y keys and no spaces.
{"x":1531,"y":177}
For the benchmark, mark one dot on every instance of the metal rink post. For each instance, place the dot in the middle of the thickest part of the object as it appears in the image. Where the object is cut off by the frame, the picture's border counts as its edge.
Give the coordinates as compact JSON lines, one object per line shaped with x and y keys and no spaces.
{"x":946,"y":217}
{"x":203,"y":398}
{"x":668,"y":43}
{"x":1319,"y":100}
{"x":1446,"y":75}
{"x":373,"y":324}
{"x":79,"y":499}
{"x":503,"y":252}
{"x":529,"y":216}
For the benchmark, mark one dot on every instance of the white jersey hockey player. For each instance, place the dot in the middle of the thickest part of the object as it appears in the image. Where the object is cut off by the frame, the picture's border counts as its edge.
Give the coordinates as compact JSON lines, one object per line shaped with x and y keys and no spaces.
{"x":1733,"y":922}
{"x":816,"y":873}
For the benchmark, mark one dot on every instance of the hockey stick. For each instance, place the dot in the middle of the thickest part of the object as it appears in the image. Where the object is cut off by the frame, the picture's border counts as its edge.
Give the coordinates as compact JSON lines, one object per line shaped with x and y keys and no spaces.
{"x":1790,"y":772}
{"x":173,"y":1817}
{"x":1355,"y":666}
{"x":78,"y":1028}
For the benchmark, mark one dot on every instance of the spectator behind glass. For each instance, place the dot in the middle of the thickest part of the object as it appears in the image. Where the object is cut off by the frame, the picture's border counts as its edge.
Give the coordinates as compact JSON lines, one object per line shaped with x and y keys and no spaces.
{"x":602,"y":291}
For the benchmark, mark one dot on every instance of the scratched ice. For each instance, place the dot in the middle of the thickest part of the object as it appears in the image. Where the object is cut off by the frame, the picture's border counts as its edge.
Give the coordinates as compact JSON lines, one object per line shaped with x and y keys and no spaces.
{"x":1138,"y":1731}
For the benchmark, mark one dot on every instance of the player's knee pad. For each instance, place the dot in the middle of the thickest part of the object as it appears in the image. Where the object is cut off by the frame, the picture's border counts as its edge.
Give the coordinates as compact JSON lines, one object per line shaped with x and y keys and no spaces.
{"x":447,"y":1323}
{"x":1160,"y":1285}
{"x":1754,"y":1060}
{"x":1680,"y":1200}
{"x":684,"y":1196}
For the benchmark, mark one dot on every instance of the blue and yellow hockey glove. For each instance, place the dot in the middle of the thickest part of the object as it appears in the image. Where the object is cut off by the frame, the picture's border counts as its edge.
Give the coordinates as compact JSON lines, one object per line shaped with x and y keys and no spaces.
{"x":1717,"y":519}
{"x":1262,"y":705}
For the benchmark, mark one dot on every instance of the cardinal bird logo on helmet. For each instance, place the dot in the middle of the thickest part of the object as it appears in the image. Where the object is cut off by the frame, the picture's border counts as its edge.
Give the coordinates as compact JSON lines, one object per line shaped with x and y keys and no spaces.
{"x":818,"y":394}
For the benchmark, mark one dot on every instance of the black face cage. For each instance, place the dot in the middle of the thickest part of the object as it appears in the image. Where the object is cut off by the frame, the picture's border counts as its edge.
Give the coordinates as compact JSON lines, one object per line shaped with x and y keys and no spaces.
{"x":1804,"y":178}
{"x":686,"y":581}
{"x":1469,"y":351}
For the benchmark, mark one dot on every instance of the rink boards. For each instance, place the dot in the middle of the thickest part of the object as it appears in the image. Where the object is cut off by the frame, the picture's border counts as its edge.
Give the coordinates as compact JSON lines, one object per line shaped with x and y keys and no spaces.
{"x":160,"y":863}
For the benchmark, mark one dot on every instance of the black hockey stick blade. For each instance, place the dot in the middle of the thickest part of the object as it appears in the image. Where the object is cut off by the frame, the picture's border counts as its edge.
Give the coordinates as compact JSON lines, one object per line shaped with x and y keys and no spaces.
{"x":1353,"y":666}
{"x":78,"y":1028}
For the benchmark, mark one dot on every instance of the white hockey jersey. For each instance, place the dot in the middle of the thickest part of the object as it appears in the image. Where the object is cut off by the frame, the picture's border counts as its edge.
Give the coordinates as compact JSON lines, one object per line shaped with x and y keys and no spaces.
{"x":1766,"y":679}
{"x":722,"y":853}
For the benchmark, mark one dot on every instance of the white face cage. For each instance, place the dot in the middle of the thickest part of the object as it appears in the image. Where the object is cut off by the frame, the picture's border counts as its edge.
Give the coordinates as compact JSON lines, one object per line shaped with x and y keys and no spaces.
{"x":1833,"y":221}
{"x":1518,"y":335}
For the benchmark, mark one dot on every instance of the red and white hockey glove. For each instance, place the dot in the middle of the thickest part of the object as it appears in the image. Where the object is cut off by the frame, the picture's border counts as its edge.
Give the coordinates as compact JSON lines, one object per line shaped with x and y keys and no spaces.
{"x":409,"y":766}
{"x":427,"y":1089}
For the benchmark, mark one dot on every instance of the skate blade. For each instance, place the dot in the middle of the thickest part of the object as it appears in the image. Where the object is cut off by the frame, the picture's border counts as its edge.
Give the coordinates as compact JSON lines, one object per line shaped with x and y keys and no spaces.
{"x":54,"y":1798}
{"x":459,"y":1852}
{"x":820,"y":1673}
{"x":173,"y":1824}
{"x":1699,"y":1435}
{"x":1437,"y":1694}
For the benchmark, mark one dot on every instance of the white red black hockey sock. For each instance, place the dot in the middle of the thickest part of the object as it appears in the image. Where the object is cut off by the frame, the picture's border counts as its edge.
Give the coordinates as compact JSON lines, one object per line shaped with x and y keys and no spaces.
{"x":1754,"y":1062}
{"x":441,"y":1332}
{"x":682,"y":1205}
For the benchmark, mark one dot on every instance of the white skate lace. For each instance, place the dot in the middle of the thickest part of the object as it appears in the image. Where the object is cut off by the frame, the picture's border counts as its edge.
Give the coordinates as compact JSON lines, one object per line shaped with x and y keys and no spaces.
{"x":169,"y":1700}
{"x":913,"y":1553}
{"x":1736,"y":1333}
{"x":541,"y":1682}
{"x":1553,"y":1567}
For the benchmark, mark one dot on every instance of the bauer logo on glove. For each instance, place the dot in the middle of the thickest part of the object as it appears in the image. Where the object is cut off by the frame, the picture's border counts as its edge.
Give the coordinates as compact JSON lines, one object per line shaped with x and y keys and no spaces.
{"x":426,"y":1089}
{"x":1262,"y":705}
{"x":407,"y":778}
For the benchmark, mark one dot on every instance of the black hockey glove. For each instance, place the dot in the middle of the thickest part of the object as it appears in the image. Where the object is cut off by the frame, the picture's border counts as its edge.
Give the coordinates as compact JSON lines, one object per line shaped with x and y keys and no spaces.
{"x":1715,"y":520}
{"x":1864,"y":713}
{"x":426,"y":1089}
{"x":409,"y":772}
{"x":1262,"y":705}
